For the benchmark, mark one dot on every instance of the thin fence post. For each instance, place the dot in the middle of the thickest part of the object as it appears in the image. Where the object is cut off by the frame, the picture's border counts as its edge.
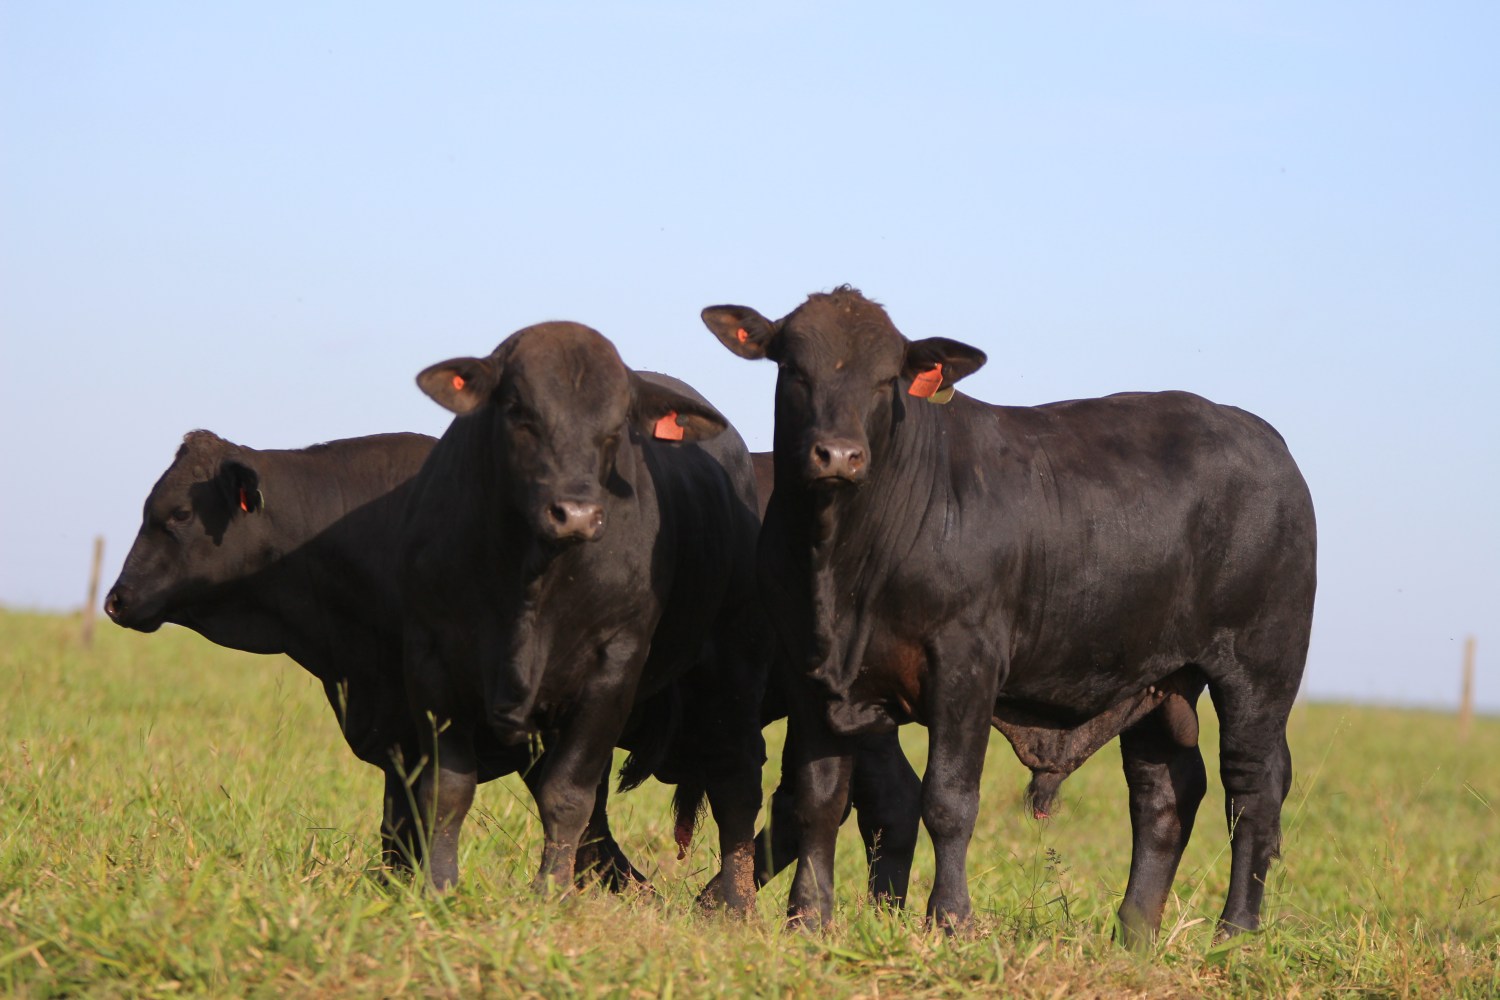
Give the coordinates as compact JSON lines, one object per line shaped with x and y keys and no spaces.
{"x":88,"y":608}
{"x":1466,"y":701}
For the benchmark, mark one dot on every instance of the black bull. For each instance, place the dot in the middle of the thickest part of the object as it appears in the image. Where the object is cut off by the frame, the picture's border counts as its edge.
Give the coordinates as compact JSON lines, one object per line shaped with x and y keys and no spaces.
{"x":293,"y":551}
{"x":1064,"y":573}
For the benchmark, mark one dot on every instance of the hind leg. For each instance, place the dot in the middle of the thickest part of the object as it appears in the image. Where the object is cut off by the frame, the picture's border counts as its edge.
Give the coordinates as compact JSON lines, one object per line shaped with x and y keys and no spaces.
{"x":1256,"y":768}
{"x":776,"y":844}
{"x":1167,"y":781}
{"x":887,"y":798}
{"x":400,"y":843}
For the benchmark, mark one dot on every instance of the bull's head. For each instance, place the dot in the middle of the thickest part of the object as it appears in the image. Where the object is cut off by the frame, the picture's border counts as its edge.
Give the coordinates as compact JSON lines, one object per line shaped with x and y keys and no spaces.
{"x":197,"y":533}
{"x":561,"y":402}
{"x":846,"y":374}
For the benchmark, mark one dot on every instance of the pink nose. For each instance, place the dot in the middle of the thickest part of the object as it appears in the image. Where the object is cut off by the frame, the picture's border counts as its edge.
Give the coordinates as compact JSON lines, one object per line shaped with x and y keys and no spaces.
{"x":837,"y":460}
{"x":572,"y":519}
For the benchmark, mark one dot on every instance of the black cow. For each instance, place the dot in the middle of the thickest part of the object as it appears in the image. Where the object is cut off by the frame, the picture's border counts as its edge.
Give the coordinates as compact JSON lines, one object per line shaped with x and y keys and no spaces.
{"x":578,"y":565}
{"x":1064,"y":572}
{"x":294,"y":552}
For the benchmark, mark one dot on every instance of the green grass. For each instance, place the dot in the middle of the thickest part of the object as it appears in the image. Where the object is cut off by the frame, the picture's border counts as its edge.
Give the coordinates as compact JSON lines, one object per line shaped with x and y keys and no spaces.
{"x":180,"y":819}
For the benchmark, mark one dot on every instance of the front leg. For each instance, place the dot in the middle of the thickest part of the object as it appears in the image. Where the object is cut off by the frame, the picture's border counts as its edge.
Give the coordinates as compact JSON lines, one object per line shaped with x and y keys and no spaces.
{"x":823,"y":763}
{"x":962,"y":679}
{"x":567,"y":776}
{"x":599,"y":857}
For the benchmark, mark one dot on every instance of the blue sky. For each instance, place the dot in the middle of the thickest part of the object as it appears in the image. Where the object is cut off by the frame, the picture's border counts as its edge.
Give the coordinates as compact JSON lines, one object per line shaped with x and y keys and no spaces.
{"x":264,"y":220}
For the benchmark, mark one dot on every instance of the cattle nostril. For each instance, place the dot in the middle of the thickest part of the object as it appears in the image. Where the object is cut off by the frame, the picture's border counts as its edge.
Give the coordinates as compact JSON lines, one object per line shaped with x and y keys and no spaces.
{"x":568,"y":519}
{"x":837,"y":459}
{"x":112,"y":604}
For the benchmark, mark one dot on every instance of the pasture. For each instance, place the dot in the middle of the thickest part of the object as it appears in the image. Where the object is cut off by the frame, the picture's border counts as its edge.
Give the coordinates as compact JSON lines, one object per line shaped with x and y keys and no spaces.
{"x":180,"y":819}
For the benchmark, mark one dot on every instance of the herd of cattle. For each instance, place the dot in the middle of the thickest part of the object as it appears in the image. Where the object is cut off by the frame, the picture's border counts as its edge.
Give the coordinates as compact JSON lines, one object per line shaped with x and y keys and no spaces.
{"x":589,"y":558}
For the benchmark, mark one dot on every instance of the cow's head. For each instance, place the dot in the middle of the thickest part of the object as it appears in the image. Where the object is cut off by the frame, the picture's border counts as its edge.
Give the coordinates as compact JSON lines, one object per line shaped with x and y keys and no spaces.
{"x":846,"y":376}
{"x":198,"y":531}
{"x":562,"y":402}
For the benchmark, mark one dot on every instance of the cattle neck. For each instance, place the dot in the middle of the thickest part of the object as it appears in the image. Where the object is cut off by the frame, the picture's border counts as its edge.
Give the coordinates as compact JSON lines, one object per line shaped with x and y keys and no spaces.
{"x":554,"y":599}
{"x":858,"y":536}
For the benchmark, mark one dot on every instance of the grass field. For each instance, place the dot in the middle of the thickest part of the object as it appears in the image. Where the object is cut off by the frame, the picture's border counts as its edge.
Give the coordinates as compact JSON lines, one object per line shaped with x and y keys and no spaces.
{"x":180,"y":819}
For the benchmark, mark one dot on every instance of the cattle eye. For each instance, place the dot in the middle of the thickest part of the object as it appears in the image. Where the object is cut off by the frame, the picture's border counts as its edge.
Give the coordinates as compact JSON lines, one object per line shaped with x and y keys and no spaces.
{"x":182,"y":515}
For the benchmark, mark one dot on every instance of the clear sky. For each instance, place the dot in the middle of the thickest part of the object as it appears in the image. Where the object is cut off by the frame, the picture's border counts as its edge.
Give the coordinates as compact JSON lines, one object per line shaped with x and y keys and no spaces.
{"x":265,"y":219}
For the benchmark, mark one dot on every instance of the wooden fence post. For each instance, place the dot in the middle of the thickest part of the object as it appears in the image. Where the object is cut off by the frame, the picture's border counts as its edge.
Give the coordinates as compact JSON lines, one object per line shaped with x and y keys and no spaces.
{"x":1466,"y":702}
{"x":89,"y":608}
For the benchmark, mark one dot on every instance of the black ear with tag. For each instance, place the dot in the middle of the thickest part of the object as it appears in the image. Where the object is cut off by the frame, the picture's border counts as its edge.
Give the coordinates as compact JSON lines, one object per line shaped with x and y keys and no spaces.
{"x":461,"y":385}
{"x":241,"y":486}
{"x":658,"y":412}
{"x":958,"y":360}
{"x":935,"y":364}
{"x":743,"y":330}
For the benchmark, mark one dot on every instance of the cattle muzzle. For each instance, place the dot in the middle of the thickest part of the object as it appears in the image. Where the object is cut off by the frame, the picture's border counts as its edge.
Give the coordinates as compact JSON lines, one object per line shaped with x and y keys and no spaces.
{"x":833,"y":461}
{"x":122,"y":608}
{"x":572,"y":520}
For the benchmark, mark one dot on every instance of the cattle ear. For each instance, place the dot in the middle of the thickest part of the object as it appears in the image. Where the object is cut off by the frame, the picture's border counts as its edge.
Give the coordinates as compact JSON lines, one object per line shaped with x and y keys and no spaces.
{"x":924,"y":356}
{"x":658,"y":412}
{"x":743,"y":330}
{"x":241,"y":487}
{"x":461,"y":384}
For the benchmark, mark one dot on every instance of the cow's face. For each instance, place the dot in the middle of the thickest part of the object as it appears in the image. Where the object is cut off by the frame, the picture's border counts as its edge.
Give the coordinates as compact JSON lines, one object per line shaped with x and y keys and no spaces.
{"x":846,"y":374}
{"x":198,"y":531}
{"x":562,"y":404}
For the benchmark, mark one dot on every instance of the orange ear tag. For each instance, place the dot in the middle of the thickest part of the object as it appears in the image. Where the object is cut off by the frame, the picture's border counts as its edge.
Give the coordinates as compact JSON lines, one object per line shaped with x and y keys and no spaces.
{"x":741,"y":335}
{"x":667,"y":428}
{"x":244,"y":501}
{"x":458,"y":383}
{"x":927,"y":383}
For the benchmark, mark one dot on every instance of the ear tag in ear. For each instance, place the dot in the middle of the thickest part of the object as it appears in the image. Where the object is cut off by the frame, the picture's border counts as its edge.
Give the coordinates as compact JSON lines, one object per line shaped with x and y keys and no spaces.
{"x":244,"y":500}
{"x":943,"y":395}
{"x":741,"y":335}
{"x":458,"y":383}
{"x":928,"y":382}
{"x":667,"y":428}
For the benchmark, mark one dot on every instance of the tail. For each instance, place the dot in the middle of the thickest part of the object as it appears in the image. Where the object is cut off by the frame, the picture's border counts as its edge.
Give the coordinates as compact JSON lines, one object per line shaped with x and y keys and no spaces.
{"x":687,"y":805}
{"x":651,"y":730}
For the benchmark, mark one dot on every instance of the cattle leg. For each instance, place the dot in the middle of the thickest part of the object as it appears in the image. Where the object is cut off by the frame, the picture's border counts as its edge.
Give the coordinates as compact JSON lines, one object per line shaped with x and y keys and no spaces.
{"x":1255,"y":765}
{"x":599,"y":858}
{"x":887,"y":798}
{"x":400,"y":844}
{"x":446,"y":791}
{"x":824,"y":763}
{"x":567,"y":781}
{"x":1167,"y":782}
{"x":734,"y":799}
{"x":961,"y":695}
{"x":777,"y":844}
